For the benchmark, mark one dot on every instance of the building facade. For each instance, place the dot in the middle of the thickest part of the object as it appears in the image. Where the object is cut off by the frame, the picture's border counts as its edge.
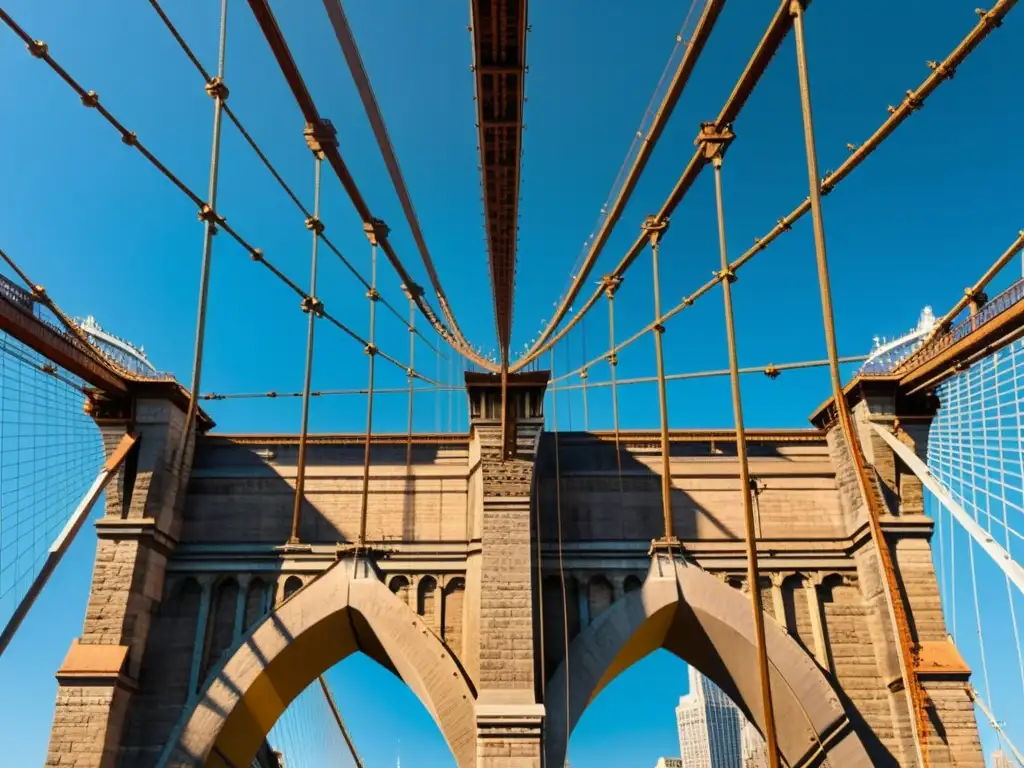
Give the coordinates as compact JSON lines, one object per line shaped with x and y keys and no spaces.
{"x":755,"y":751}
{"x":709,"y":726}
{"x":1000,"y":759}
{"x":669,"y":762}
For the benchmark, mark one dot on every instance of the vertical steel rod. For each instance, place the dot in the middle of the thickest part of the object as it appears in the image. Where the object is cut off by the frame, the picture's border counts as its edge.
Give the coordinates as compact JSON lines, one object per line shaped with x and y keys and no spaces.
{"x":412,"y":367}
{"x":897,"y":613}
{"x":753,"y":575}
{"x":216,"y":89}
{"x":584,"y":374}
{"x":373,"y":233}
{"x":612,"y":283}
{"x":655,"y":230}
{"x":311,"y":307}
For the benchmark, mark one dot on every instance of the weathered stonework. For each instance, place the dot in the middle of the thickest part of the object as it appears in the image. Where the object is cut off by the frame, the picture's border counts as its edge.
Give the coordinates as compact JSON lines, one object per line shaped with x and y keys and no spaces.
{"x":490,"y":574}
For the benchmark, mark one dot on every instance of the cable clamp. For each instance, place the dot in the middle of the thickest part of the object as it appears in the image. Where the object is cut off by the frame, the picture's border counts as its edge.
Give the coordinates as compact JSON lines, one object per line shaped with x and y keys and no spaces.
{"x":320,"y":136}
{"x":312,"y":304}
{"x":759,"y":244}
{"x":39,"y":293}
{"x":584,"y":374}
{"x":256,"y":254}
{"x":727,"y":274}
{"x":784,"y":225}
{"x":313,"y":224}
{"x":210,"y":216}
{"x":714,"y":142}
{"x":988,"y":17}
{"x":376,"y":230}
{"x":611,"y":284}
{"x":373,"y":294}
{"x":370,"y":349}
{"x":48,"y":368}
{"x":946,"y":73}
{"x":613,"y":359}
{"x":90,"y":99}
{"x":772,"y":372}
{"x":410,"y":373}
{"x":913,"y":101}
{"x":271,"y":394}
{"x":687,"y":301}
{"x":38,"y":48}
{"x":658,"y":328}
{"x":216,"y":88}
{"x":654,"y":227}
{"x":129,"y":138}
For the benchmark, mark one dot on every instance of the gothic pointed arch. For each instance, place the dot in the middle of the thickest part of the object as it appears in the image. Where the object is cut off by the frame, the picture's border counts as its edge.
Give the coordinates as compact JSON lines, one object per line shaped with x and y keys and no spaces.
{"x":708,"y":624}
{"x":344,"y":610}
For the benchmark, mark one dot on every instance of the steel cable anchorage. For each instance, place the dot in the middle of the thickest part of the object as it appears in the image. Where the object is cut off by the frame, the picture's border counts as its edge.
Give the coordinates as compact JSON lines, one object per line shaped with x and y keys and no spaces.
{"x":90,"y":99}
{"x":282,"y":54}
{"x":912,"y":101}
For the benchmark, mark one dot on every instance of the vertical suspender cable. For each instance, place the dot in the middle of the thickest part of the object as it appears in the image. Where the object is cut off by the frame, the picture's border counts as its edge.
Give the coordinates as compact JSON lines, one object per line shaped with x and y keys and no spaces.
{"x":412,"y":367}
{"x":753,"y":576}
{"x":375,"y":230}
{"x":611,"y":285}
{"x":218,"y":91}
{"x":655,"y":230}
{"x":897,"y":610}
{"x":583,"y":376}
{"x":313,"y":307}
{"x":561,"y":563}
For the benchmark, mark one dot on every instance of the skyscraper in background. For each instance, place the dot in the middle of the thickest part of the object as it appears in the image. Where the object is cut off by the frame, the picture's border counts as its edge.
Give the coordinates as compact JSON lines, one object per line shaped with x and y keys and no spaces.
{"x":755,"y":751}
{"x":1000,"y":759}
{"x":709,"y":726}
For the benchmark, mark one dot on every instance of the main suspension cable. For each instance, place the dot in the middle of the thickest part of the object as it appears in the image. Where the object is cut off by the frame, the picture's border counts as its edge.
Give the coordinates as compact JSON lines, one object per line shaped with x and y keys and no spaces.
{"x":914,"y":100}
{"x":187,"y":50}
{"x":350,"y":49}
{"x":679,"y":81}
{"x":282,"y":54}
{"x":90,"y":99}
{"x":770,"y":42}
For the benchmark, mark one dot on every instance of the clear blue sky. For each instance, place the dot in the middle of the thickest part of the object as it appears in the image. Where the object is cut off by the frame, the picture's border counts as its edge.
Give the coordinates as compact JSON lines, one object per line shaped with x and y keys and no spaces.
{"x":106,"y":235}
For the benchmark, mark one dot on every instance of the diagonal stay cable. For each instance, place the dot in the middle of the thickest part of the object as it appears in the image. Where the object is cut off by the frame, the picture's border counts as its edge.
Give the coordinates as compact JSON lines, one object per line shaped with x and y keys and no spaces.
{"x":90,"y":99}
{"x":638,"y":138}
{"x":281,"y":52}
{"x":665,"y":109}
{"x":350,"y":49}
{"x":913,"y":100}
{"x":187,"y":50}
{"x":766,"y":48}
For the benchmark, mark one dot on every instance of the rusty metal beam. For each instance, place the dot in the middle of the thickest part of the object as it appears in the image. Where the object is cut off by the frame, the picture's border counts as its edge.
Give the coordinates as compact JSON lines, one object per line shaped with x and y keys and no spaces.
{"x":279,"y":47}
{"x":499,"y":66}
{"x":58,"y":347}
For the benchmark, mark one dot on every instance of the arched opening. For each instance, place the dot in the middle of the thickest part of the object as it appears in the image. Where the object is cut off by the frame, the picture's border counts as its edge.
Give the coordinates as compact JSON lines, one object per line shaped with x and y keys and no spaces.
{"x":631,"y":584}
{"x":291,"y":585}
{"x":668,"y":711}
{"x":220,"y":629}
{"x":454,"y":596}
{"x":696,"y":617}
{"x":399,"y":585}
{"x":600,"y":596}
{"x":382,"y":716}
{"x":344,"y":611}
{"x":426,"y":600}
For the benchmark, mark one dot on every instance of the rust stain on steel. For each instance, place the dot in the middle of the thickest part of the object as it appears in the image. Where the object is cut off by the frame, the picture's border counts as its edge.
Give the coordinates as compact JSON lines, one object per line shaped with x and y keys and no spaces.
{"x":499,"y":63}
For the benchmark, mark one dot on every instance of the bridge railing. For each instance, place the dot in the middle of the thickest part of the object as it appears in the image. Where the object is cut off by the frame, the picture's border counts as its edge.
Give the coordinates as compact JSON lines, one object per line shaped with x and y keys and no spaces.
{"x":1005,"y":301}
{"x":29,"y":304}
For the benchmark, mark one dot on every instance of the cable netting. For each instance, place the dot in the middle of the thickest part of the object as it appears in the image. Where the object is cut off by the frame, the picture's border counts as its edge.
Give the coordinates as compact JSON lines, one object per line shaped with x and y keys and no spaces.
{"x":50,"y":453}
{"x":976,"y":450}
{"x":307,"y":735}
